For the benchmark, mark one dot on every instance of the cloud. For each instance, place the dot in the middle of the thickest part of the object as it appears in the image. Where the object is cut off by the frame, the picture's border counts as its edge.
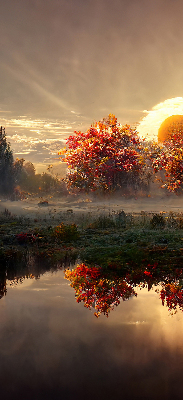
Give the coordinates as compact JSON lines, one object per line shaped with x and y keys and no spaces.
{"x":150,"y":124}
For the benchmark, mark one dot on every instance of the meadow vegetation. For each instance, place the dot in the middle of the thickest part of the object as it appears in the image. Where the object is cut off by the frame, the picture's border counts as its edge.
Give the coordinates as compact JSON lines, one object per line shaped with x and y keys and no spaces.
{"x":118,"y":238}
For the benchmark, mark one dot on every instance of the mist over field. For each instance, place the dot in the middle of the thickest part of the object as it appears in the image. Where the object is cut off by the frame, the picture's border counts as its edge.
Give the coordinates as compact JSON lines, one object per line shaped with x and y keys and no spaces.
{"x":87,"y":205}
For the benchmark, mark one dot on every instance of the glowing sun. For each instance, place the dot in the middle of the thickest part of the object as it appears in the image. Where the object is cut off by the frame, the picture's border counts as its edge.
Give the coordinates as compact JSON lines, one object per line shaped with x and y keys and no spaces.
{"x":157,"y":121}
{"x":170,"y":126}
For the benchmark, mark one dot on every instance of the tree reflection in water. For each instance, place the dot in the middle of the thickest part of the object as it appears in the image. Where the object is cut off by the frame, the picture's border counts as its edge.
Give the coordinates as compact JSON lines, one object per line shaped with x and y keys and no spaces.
{"x":30,"y":266}
{"x":172,"y":295}
{"x":97,"y":290}
{"x":103,"y":289}
{"x":3,"y":289}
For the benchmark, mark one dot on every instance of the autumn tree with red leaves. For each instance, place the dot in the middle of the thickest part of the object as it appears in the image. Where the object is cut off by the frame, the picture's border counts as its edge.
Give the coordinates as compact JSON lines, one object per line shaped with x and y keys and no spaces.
{"x":106,"y":157}
{"x":170,"y":162}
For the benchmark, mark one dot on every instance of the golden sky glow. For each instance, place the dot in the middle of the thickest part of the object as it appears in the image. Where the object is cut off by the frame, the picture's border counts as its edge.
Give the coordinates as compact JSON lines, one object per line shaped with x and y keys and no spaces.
{"x":61,"y":69}
{"x":150,"y":124}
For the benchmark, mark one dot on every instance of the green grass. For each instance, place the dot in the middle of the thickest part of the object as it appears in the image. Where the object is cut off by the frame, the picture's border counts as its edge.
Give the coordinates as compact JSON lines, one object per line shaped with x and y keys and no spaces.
{"x":119,"y":239}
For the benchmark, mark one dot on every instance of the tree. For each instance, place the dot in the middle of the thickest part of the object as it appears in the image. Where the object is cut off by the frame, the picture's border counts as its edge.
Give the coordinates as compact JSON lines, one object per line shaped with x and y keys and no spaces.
{"x":170,"y":162}
{"x":106,"y":157}
{"x":25,"y":177}
{"x":29,"y":168}
{"x":6,"y":165}
{"x":18,"y":170}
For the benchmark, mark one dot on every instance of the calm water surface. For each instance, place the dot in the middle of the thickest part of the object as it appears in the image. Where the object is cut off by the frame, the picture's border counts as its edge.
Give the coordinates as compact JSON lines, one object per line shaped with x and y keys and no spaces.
{"x":54,"y":348}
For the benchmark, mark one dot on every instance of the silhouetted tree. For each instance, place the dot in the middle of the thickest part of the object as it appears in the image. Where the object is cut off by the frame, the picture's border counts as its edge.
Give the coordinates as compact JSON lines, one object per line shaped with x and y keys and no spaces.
{"x":29,"y":168}
{"x":6,"y":165}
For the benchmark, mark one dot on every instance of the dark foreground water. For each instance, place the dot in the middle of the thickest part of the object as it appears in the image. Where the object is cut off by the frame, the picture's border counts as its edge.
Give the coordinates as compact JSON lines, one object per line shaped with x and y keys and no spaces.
{"x":51,"y":347}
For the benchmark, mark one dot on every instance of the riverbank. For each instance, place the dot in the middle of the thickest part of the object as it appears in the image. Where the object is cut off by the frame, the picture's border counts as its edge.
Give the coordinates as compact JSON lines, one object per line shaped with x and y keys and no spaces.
{"x":92,"y":232}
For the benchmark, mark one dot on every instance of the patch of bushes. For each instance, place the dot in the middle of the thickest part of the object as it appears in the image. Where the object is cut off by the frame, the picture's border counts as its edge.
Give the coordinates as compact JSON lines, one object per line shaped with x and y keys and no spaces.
{"x":102,"y":222}
{"x":157,"y":221}
{"x":66,"y":233}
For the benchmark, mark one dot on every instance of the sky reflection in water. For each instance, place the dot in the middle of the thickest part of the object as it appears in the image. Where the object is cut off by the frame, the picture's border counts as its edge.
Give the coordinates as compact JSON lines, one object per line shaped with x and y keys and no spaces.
{"x":52,"y":347}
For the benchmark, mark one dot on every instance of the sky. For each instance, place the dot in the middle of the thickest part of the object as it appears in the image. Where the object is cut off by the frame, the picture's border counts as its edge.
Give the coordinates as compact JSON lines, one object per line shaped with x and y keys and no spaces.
{"x":67,"y":63}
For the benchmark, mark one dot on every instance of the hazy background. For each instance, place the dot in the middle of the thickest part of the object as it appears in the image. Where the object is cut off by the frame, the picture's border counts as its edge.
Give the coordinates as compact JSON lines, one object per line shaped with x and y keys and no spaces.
{"x":66,"y":63}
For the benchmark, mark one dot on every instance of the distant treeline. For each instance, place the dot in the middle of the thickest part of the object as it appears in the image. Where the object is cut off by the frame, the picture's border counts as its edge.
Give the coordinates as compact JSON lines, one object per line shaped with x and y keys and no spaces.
{"x":18,"y":177}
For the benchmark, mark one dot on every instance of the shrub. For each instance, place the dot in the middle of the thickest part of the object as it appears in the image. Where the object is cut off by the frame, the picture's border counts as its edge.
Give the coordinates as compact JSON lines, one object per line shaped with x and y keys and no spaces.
{"x":24,"y":238}
{"x":157,"y":221}
{"x":66,"y":232}
{"x":102,"y":222}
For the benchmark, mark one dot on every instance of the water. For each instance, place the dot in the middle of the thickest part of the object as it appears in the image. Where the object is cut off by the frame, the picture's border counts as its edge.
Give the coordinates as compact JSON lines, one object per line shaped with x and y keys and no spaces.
{"x":51,"y":347}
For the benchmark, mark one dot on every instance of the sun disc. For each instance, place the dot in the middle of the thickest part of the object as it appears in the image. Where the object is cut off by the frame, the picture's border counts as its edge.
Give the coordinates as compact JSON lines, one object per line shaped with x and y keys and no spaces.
{"x":169,"y":126}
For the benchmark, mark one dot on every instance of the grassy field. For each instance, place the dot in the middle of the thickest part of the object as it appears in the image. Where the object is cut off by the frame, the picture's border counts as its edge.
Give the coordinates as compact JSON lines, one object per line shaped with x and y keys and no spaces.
{"x":109,"y":238}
